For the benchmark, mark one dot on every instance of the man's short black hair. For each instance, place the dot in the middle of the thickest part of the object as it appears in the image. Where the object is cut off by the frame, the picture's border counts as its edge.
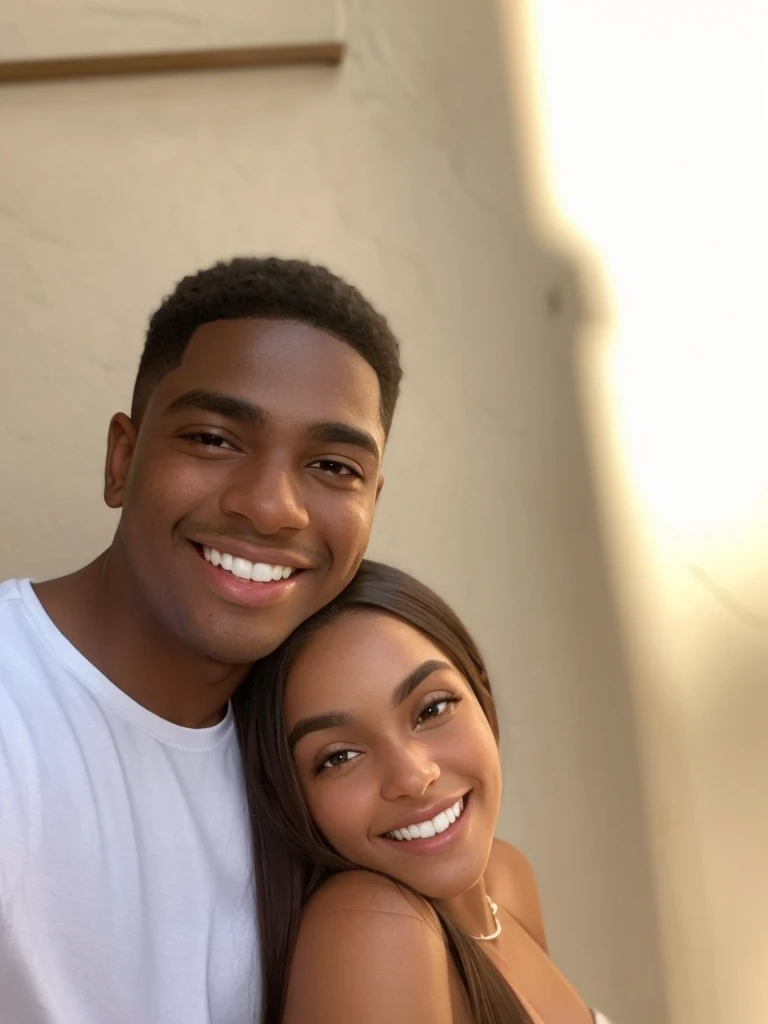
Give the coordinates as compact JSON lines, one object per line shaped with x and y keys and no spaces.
{"x":272,"y":289}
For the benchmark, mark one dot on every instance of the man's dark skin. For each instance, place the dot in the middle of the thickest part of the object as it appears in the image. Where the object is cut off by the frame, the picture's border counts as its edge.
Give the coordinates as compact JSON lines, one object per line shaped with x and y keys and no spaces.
{"x":266,"y":441}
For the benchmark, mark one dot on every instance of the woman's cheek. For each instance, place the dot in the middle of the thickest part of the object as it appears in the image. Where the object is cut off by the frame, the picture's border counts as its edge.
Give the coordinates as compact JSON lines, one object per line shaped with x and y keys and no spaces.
{"x":355,"y":814}
{"x":334,"y":813}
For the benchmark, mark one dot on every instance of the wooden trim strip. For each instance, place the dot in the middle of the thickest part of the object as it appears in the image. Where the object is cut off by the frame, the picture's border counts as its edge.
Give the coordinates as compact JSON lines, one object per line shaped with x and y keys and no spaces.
{"x":51,"y":68}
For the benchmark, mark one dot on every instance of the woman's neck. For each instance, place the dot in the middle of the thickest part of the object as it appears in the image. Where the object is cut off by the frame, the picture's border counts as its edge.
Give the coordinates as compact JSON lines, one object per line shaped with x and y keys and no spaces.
{"x":471,"y":910}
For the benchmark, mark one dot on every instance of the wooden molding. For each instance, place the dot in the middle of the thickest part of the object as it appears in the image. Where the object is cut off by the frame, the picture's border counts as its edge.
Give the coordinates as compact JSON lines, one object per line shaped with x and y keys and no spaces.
{"x":48,"y":69}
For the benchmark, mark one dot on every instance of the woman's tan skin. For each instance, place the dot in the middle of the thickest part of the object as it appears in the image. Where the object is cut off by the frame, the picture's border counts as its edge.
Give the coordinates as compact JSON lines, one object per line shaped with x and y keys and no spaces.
{"x":369,"y":950}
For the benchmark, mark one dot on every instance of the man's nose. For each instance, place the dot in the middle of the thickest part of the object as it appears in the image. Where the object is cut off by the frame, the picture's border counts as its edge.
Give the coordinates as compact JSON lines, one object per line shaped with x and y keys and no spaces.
{"x":269,"y":496}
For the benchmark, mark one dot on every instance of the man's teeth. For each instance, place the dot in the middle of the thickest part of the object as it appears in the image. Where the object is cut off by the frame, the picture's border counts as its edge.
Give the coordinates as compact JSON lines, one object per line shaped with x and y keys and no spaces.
{"x":259,"y":572}
{"x":433,"y":827}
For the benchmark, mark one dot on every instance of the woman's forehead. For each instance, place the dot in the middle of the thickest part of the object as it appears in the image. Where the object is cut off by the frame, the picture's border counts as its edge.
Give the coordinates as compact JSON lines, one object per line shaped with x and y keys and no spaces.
{"x":361,"y":635}
{"x":361,"y":654}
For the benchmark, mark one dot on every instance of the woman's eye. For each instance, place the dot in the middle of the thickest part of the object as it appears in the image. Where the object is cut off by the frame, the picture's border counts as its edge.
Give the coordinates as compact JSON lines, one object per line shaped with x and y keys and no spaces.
{"x":436,"y":709}
{"x":333,"y":467}
{"x":338,"y":759}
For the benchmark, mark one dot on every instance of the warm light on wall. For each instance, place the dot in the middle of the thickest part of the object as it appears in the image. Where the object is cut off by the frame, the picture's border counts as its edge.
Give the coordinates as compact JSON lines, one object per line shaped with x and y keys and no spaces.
{"x":657,"y":153}
{"x":647,"y":129}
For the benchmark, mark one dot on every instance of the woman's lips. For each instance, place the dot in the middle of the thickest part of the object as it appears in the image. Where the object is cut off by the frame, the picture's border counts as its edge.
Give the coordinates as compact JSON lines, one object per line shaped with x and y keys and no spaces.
{"x":437,"y":842}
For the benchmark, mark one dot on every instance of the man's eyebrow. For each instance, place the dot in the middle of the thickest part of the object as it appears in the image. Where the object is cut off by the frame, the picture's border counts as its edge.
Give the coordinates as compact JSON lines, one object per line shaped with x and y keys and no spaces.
{"x":341,"y":433}
{"x":307,"y":725}
{"x":409,"y":684}
{"x":334,"y":719}
{"x":232,"y":408}
{"x":229,"y":406}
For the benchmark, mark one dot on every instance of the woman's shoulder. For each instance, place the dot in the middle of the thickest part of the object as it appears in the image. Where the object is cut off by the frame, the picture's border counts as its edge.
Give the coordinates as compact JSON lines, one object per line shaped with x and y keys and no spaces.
{"x":364,"y":892}
{"x":368,"y":949}
{"x":511,"y":882}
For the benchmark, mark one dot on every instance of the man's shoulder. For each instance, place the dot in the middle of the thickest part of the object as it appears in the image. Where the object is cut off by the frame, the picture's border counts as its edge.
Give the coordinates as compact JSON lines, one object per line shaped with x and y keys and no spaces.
{"x":28,"y":654}
{"x":19,"y":629}
{"x":23,"y":716}
{"x":12,"y":594}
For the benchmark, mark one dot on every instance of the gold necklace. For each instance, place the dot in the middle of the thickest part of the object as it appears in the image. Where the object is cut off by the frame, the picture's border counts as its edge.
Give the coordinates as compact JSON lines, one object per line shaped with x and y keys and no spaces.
{"x":497,"y":930}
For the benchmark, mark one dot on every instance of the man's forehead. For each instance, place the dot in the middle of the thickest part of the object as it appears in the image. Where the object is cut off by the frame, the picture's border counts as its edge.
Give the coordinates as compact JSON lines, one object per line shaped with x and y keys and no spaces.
{"x":281,"y":367}
{"x":256,"y":340}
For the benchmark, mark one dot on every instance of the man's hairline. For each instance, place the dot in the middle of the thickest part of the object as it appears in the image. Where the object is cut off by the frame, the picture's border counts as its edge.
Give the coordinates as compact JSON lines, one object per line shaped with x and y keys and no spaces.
{"x":138,"y":416}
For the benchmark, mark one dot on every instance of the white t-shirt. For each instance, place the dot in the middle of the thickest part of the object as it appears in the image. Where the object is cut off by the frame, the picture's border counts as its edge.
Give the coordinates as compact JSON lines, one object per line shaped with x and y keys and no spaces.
{"x":125,"y":876}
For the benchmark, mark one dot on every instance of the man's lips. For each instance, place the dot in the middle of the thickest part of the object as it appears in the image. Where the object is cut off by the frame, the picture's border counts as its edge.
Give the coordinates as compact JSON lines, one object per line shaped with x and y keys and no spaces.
{"x":245,"y":591}
{"x":252,"y":553}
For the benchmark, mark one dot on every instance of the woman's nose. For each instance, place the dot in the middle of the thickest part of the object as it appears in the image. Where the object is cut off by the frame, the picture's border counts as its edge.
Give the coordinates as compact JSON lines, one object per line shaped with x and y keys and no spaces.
{"x":410,"y":771}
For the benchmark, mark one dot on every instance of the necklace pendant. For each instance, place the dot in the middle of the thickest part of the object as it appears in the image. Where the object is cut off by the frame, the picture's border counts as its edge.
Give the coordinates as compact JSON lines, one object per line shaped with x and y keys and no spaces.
{"x":497,"y":930}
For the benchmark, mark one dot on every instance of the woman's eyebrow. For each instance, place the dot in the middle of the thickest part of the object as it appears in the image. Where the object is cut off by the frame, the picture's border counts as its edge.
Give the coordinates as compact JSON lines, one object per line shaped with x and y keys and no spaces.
{"x":331,"y":720}
{"x":334,"y":719}
{"x":409,"y":684}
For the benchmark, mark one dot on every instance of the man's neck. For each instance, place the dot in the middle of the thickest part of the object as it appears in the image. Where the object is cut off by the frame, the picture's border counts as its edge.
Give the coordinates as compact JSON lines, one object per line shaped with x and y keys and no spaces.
{"x":110,"y":627}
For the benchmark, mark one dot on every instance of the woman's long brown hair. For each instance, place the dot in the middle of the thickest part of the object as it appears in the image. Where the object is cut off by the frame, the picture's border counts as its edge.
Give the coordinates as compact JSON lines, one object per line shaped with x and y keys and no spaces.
{"x":291,"y":858}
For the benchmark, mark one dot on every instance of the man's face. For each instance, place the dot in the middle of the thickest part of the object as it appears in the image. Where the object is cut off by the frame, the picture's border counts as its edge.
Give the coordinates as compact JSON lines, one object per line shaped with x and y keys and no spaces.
{"x":248,"y":491}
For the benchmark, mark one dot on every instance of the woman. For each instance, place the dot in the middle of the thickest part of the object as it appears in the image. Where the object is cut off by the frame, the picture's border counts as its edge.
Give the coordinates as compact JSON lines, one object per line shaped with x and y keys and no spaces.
{"x":370,"y":744}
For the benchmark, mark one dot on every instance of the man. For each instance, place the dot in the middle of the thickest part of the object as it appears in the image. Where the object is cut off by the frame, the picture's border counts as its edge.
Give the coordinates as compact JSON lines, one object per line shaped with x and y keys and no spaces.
{"x":247,"y":475}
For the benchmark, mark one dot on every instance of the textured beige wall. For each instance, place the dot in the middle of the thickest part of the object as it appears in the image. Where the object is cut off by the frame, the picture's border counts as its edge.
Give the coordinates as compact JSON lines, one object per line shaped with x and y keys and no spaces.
{"x":654,"y":130}
{"x":37,"y":29}
{"x":404,"y":171}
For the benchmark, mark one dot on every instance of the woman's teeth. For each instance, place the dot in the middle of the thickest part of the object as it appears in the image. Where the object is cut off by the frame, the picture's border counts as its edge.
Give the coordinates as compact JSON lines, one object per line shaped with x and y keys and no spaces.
{"x":433,"y":827}
{"x":259,"y":572}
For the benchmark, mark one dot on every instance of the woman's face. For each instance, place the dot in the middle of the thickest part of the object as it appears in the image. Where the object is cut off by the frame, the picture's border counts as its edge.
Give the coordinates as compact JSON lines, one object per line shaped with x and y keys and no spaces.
{"x":395,"y":758}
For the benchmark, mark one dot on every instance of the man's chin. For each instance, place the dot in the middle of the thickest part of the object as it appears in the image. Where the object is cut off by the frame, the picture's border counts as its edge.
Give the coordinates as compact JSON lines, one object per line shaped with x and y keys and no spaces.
{"x":238,"y":647}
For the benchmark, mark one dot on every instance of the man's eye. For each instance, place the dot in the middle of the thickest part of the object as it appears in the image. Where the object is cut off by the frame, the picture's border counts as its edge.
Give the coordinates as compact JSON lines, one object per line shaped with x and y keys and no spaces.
{"x":333,"y":467}
{"x":211,"y":441}
{"x":338,"y":759}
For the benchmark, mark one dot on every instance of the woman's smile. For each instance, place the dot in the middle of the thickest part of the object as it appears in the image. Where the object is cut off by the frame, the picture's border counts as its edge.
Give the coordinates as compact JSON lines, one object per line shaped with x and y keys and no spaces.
{"x":432,"y":841}
{"x":433,"y":824}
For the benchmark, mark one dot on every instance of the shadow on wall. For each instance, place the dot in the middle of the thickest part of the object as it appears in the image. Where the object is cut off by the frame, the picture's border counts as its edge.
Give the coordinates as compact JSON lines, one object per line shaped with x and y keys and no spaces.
{"x":732,"y":791}
{"x":722,"y":707}
{"x":528,"y":564}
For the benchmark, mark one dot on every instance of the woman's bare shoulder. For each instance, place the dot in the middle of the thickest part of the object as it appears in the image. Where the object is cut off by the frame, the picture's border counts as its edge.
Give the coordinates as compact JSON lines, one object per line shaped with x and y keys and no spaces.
{"x":512,"y":883}
{"x":367,"y":892}
{"x":369,"y":950}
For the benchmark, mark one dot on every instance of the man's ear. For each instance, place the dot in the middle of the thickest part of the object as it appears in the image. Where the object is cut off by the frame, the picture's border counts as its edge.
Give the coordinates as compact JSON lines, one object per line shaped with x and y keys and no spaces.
{"x":121,"y":444}
{"x":379,"y":485}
